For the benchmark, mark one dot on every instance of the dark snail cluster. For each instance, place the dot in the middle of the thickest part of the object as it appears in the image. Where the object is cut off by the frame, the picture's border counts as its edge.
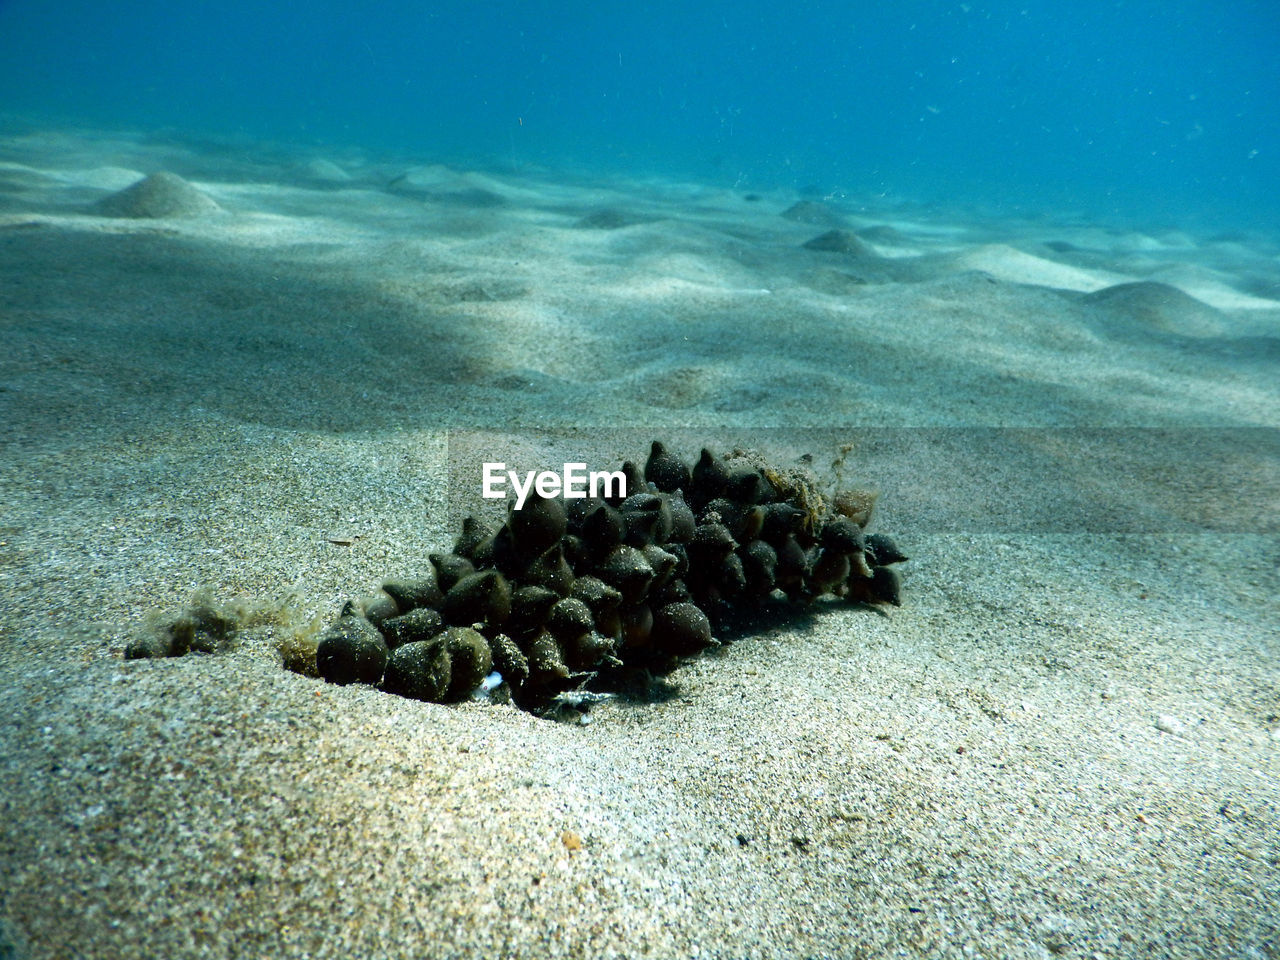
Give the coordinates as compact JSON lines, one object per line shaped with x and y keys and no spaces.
{"x":577,"y":593}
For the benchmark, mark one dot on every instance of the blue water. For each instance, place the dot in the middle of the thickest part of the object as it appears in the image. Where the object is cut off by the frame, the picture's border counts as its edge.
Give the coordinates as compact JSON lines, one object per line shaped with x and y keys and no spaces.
{"x":1157,"y":112}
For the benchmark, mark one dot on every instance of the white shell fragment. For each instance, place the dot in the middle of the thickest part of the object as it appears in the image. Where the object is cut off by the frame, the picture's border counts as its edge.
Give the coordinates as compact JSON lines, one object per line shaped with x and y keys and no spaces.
{"x":487,"y":686}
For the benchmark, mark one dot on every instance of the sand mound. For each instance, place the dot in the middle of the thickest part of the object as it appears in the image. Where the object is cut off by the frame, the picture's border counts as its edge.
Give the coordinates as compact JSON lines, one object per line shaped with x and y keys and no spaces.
{"x":160,"y":195}
{"x":814,"y":213}
{"x":321,"y":170}
{"x":1159,"y":306}
{"x":1007,"y":263}
{"x":438,"y":183}
{"x":839,"y":241}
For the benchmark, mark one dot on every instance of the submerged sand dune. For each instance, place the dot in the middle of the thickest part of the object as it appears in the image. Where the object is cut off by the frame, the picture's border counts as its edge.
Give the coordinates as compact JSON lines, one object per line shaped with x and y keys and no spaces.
{"x":1065,"y":742}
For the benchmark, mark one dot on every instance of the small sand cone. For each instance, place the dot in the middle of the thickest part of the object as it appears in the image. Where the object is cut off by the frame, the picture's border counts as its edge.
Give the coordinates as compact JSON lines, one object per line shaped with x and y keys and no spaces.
{"x":160,"y":195}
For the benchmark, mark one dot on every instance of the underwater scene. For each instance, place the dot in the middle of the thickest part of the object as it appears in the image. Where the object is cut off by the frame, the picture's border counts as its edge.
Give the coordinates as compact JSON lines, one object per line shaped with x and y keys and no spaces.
{"x":588,"y":480}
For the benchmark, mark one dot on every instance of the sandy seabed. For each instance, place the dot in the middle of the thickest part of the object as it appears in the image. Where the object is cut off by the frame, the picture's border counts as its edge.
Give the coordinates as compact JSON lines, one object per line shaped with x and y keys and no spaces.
{"x":1066,"y":742}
